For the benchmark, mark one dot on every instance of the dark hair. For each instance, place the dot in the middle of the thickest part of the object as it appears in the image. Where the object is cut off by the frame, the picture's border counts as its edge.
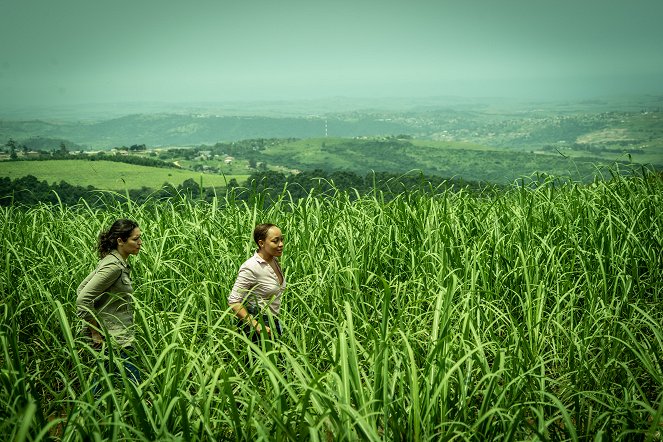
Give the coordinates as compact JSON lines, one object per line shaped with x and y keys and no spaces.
{"x":122,"y":229}
{"x":260,"y":232}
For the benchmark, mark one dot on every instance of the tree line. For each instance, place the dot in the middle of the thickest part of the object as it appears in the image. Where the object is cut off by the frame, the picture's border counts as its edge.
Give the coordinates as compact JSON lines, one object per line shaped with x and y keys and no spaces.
{"x":29,"y":191}
{"x":62,"y":152}
{"x":268,"y":186}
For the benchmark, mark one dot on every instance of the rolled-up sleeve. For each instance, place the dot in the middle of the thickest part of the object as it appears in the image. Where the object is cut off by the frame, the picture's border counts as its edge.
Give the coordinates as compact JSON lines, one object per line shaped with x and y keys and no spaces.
{"x":94,"y":286}
{"x":245,"y":281}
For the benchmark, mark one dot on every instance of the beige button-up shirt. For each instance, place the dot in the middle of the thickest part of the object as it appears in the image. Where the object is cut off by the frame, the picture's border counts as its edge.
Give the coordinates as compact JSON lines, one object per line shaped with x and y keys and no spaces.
{"x":106,"y":293}
{"x":258,"y":285}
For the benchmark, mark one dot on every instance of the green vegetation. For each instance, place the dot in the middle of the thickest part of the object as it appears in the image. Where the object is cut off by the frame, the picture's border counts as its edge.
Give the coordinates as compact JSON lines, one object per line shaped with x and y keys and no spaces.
{"x":273,"y":185}
{"x":225,"y":163}
{"x":108,"y":175}
{"x":470,"y":162}
{"x":270,"y":185}
{"x":29,"y":191}
{"x":177,"y":129}
{"x":529,"y":314}
{"x":475,"y":142}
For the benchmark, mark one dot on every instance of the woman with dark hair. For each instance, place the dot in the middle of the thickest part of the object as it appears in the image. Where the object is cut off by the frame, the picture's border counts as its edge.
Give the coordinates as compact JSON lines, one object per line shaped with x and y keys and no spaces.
{"x":256,"y":295}
{"x":105,"y":301}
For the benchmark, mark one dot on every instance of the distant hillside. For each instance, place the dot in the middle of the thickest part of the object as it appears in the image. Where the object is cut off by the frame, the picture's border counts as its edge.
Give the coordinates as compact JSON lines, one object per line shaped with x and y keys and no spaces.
{"x":46,"y":144}
{"x":171,"y":129}
{"x":466,"y":161}
{"x":603,"y":133}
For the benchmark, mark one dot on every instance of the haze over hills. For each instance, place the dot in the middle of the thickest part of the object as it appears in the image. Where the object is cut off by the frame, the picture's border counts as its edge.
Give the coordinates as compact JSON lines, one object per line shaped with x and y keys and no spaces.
{"x":493,"y":121}
{"x":91,"y":112}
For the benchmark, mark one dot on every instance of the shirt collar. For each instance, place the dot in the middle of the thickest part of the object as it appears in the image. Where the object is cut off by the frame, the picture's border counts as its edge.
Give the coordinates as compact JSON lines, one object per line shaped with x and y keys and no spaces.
{"x":261,"y":260}
{"x":116,"y":254}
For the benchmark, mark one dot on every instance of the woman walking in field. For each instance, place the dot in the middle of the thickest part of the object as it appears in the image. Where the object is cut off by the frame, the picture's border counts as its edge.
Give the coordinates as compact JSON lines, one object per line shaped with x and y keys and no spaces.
{"x":256,"y":295}
{"x":105,"y":300}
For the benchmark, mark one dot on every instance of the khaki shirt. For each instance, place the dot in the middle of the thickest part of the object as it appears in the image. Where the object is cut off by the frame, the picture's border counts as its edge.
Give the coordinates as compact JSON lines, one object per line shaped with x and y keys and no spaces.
{"x":106,"y":294}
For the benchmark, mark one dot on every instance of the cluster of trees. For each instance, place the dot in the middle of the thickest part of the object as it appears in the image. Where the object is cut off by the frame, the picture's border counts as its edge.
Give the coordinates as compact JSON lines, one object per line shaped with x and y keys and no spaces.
{"x":179,"y":152}
{"x":46,"y":145}
{"x":205,"y":168}
{"x":374,"y":148}
{"x":249,"y":150}
{"x":244,"y":149}
{"x":239,"y":148}
{"x":131,"y":159}
{"x":28,"y":190}
{"x":63,"y":153}
{"x":35,"y":145}
{"x":268,"y":185}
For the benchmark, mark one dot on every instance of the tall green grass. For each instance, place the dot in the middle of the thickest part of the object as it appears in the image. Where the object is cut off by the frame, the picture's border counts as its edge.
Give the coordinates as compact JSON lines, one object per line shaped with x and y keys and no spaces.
{"x":533,"y":313}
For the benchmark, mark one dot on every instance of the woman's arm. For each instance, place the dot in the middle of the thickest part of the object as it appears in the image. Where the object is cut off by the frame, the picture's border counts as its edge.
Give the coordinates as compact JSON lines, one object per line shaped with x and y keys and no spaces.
{"x":245,"y":281}
{"x":89,"y":291}
{"x":242,"y":313}
{"x":96,"y":285}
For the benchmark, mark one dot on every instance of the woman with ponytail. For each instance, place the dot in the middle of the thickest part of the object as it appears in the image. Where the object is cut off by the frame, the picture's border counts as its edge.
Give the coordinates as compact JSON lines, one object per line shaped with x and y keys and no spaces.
{"x":105,"y":302}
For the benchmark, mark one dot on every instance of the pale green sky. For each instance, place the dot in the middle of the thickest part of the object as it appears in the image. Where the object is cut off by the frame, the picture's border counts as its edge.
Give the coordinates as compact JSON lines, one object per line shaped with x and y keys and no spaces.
{"x":87,"y":51}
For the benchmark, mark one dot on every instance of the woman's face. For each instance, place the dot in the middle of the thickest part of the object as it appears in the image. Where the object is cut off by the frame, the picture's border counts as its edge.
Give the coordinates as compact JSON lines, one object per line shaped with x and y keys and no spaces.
{"x":272,"y":245}
{"x":132,"y":245}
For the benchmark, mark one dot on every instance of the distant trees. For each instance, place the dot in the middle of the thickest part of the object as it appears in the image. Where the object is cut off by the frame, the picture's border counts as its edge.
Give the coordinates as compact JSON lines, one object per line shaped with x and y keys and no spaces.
{"x":191,"y":188}
{"x":29,"y":190}
{"x":245,"y":148}
{"x":48,"y":145}
{"x":62,"y":151}
{"x":266,"y":185}
{"x":11,"y":146}
{"x":133,"y":159}
{"x":187,"y":154}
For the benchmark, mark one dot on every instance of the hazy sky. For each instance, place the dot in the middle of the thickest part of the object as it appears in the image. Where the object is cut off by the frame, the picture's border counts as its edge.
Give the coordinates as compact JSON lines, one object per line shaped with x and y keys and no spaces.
{"x":88,"y":51}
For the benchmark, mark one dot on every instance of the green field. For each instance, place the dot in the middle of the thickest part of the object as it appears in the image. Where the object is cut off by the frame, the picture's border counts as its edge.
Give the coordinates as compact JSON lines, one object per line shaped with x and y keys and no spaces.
{"x":526,"y":314}
{"x":108,"y":175}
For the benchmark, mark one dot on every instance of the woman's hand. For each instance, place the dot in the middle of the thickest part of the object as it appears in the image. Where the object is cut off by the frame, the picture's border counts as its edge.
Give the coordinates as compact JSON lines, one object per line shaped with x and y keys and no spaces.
{"x":258,"y":328}
{"x":97,"y":338}
{"x":243,"y":315}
